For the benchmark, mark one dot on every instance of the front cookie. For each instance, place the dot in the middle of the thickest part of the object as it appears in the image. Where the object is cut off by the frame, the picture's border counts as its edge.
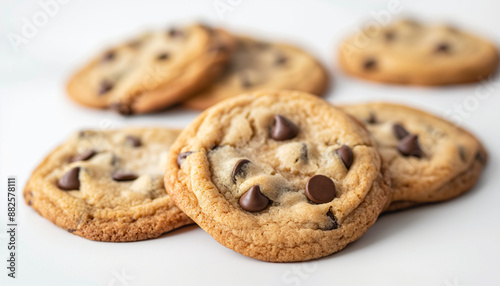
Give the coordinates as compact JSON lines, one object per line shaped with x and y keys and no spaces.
{"x":257,"y":65}
{"x":278,"y":176}
{"x":430,"y":159}
{"x":408,"y":52}
{"x":154,"y":71}
{"x":107,"y":185}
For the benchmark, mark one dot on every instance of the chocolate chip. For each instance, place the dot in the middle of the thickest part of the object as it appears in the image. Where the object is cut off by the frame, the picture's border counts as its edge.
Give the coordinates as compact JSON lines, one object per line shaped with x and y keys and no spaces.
{"x":182,"y":157}
{"x":283,"y":129}
{"x":121,"y":108}
{"x":71,"y":230}
{"x":29,"y":203}
{"x":303,"y":153}
{"x":320,"y":189}
{"x":389,"y":35}
{"x":174,"y":33}
{"x":70,"y":180}
{"x":108,"y":56}
{"x":372,"y":119}
{"x":245,"y":81}
{"x":481,"y":157}
{"x":409,"y":146}
{"x":399,"y":131}
{"x":461,"y":153}
{"x":345,"y":153}
{"x":162,"y":56}
{"x":253,"y":200}
{"x":133,"y":141}
{"x":442,"y":48}
{"x":238,"y":168}
{"x":280,"y":59}
{"x":104,"y":87}
{"x":369,"y":64}
{"x":335,"y":224}
{"x":122,"y":176}
{"x":84,"y":155}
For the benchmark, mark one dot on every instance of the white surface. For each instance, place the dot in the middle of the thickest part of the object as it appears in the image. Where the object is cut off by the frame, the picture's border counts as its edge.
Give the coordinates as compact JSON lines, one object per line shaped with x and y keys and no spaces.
{"x":453,"y":243}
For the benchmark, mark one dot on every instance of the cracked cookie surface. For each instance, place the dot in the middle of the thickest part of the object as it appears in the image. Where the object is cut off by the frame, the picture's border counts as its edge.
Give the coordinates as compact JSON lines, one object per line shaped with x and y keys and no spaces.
{"x":409,"y":52}
{"x":108,"y":185}
{"x":257,"y":65}
{"x":430,"y":159}
{"x":154,"y":71}
{"x":278,"y":176}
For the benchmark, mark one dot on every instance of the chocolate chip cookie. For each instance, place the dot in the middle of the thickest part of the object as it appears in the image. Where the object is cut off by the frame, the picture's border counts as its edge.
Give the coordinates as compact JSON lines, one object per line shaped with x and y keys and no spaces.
{"x":278,"y":176}
{"x":430,"y":159}
{"x":107,"y":185}
{"x":258,"y":65}
{"x":409,"y":52}
{"x":154,"y":71}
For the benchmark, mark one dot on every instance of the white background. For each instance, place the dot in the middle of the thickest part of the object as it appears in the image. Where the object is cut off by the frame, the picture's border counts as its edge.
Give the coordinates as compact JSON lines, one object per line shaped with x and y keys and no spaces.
{"x":453,"y":243}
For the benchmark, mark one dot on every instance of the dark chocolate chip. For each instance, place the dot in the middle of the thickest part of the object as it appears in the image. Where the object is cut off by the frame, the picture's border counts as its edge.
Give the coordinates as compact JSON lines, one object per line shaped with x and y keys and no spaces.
{"x":442,"y":48}
{"x":174,"y":33}
{"x":238,"y":168}
{"x":71,"y":230}
{"x":372,"y":119}
{"x":283,"y":129}
{"x":399,"y":131}
{"x":320,"y":189}
{"x":253,"y":200}
{"x":122,"y":176}
{"x":409,"y":146}
{"x":108,"y":56}
{"x":182,"y":157}
{"x":345,"y":153}
{"x":461,"y":153}
{"x":370,"y":64}
{"x":162,"y":56}
{"x":280,"y":59}
{"x":335,"y":224}
{"x":481,"y":157}
{"x":133,"y":141}
{"x":389,"y":35}
{"x":104,"y":87}
{"x":121,"y":108}
{"x":84,"y":155}
{"x":70,"y":180}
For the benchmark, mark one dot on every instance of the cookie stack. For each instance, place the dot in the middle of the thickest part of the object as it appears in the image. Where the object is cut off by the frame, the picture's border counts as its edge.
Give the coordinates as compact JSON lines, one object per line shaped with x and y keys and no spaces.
{"x":274,"y":174}
{"x":196,"y":66}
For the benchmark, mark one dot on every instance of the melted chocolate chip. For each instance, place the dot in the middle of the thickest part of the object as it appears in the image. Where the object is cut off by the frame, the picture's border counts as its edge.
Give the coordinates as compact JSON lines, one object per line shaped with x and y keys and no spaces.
{"x":121,"y":108}
{"x":163,"y":56}
{"x":320,"y":189}
{"x":280,"y":59}
{"x":133,"y":141}
{"x":369,"y":64}
{"x":335,"y":224}
{"x":108,"y":56}
{"x":238,"y":169}
{"x":253,"y":200}
{"x":122,"y":176}
{"x":70,"y":180}
{"x":372,"y":119}
{"x":461,"y":153}
{"x":104,"y":87}
{"x":345,"y":153}
{"x":399,"y":131}
{"x":182,"y":157}
{"x":283,"y":129}
{"x":409,"y":146}
{"x":174,"y":33}
{"x":84,"y":155}
{"x":442,"y":48}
